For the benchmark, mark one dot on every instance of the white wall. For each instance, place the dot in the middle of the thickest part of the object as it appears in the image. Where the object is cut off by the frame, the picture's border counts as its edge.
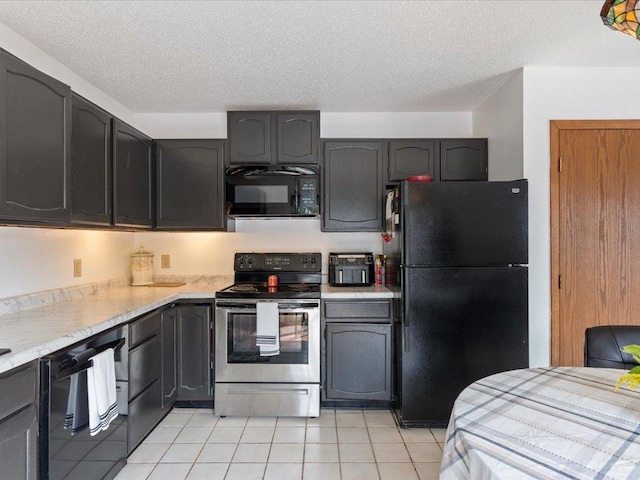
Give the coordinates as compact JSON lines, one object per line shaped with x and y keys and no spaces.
{"x":500,"y":120}
{"x":35,"y":259}
{"x":560,"y":94}
{"x":332,"y":124}
{"x":212,"y":252}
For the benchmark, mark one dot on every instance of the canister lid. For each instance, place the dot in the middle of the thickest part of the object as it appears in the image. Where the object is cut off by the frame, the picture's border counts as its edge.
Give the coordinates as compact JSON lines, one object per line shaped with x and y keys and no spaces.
{"x":142,"y":253}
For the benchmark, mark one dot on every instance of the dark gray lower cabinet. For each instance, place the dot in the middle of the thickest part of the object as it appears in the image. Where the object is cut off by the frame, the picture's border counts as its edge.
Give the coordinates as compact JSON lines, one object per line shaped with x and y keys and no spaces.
{"x":145,"y":372}
{"x":169,"y":357}
{"x":194,"y":329}
{"x":19,"y":424}
{"x":357,"y":351}
{"x":358,"y":361}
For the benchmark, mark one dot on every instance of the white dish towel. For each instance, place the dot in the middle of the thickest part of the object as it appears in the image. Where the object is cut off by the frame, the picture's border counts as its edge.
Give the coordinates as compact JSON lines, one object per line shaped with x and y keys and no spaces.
{"x":268,"y":328}
{"x":101,"y":391}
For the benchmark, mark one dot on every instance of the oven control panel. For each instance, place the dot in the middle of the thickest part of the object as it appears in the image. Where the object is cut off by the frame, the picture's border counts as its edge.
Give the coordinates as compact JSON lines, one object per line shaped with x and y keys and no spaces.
{"x":278,"y":262}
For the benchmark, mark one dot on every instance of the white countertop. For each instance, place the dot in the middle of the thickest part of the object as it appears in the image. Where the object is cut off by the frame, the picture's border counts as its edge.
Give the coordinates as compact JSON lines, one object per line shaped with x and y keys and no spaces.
{"x":36,"y":332}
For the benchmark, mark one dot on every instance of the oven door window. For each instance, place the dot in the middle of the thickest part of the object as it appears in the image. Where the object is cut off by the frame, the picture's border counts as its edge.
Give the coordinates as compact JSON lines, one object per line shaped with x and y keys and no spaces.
{"x":294,"y":339}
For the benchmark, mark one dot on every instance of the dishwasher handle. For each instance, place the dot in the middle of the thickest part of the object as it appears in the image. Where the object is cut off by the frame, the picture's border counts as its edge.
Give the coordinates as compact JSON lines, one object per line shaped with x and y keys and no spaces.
{"x":82,"y":361}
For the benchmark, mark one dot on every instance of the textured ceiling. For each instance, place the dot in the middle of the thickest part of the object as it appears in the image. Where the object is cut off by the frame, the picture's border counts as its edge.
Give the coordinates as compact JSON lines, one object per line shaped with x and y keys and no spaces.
{"x":162,"y":56}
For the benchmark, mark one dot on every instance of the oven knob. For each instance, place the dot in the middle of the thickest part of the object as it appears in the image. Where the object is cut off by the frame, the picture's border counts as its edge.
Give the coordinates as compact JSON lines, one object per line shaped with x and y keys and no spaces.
{"x":250,"y":260}
{"x":241,"y":260}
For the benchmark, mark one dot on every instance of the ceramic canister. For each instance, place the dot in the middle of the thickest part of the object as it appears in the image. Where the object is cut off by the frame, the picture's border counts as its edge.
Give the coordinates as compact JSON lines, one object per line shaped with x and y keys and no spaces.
{"x":141,"y":268}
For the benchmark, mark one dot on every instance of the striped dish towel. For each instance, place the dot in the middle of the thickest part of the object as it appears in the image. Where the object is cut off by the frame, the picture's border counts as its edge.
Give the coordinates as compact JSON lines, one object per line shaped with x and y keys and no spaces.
{"x":268,"y":328}
{"x":101,"y":391}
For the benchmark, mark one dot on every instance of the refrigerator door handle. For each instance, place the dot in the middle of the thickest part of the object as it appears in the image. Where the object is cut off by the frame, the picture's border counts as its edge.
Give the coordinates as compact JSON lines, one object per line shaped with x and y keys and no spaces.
{"x":405,"y":333}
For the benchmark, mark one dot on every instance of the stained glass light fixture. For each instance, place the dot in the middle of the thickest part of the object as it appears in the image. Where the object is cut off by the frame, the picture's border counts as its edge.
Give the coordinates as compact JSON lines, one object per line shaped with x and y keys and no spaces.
{"x":622,"y":15}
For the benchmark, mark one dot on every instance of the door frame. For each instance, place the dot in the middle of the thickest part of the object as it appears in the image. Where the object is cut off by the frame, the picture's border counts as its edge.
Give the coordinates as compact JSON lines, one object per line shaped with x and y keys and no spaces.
{"x":556,"y":126}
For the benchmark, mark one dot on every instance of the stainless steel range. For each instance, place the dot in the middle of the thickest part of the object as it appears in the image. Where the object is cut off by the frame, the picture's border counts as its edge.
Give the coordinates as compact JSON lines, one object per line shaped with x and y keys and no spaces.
{"x":267,"y":336}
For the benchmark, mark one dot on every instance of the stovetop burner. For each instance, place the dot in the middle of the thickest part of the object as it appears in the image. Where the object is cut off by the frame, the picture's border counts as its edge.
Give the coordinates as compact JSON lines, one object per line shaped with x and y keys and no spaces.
{"x":261,"y":290}
{"x":243,"y":287}
{"x":299,"y":276}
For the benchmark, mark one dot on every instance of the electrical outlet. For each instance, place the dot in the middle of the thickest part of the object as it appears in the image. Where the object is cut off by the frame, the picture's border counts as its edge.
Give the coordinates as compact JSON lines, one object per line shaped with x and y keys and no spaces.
{"x":165,"y":261}
{"x":77,"y":267}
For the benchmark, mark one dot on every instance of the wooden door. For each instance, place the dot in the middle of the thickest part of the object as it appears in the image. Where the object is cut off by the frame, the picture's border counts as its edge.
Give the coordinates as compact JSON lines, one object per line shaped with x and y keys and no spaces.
{"x":595,"y":231}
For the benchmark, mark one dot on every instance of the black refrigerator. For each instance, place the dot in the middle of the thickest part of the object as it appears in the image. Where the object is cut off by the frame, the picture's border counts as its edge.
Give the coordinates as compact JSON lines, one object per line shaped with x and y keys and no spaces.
{"x":458,"y":255}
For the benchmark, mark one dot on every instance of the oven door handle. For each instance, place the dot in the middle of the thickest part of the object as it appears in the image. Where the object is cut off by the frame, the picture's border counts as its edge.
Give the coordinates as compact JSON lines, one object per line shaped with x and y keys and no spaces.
{"x":281,"y":305}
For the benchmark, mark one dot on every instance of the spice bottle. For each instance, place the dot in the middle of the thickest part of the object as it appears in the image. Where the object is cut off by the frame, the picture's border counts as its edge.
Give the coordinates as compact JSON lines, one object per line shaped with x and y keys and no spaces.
{"x":378,"y":270}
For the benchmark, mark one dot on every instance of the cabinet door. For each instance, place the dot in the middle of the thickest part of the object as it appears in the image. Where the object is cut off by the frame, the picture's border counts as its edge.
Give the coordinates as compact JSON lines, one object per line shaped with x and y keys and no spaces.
{"x":169,"y":354}
{"x":298,"y":137}
{"x":463,"y":159}
{"x":145,"y":366}
{"x":90,"y":163}
{"x":411,"y":157}
{"x":194,"y":352}
{"x":249,"y":136}
{"x":35,"y":114}
{"x":145,"y":412}
{"x":18,"y":439}
{"x":190,"y":184}
{"x":352,"y":185}
{"x":132,"y":177}
{"x":358,"y":357}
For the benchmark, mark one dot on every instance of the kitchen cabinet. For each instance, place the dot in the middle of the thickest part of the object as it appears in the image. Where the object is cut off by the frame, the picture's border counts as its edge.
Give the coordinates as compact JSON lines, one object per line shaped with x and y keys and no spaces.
{"x":412,"y":157}
{"x":35,"y":134}
{"x":90,"y":163}
{"x":443,"y":159}
{"x":464,"y":159}
{"x":19,"y":423}
{"x":169,"y":354}
{"x":132,"y":177}
{"x":286,"y":137}
{"x":352,"y":185}
{"x":190,"y":185}
{"x":194,"y":359}
{"x":145,"y":371}
{"x":357,"y":355}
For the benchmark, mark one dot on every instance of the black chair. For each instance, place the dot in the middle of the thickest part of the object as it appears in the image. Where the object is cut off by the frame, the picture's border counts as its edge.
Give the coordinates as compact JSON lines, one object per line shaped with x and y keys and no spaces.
{"x":602,"y":346}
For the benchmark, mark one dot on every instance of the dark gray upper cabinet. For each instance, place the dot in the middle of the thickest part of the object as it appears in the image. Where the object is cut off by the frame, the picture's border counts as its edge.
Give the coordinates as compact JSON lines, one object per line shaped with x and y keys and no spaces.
{"x":132,"y":177}
{"x":35,"y":134}
{"x":194,"y":352}
{"x":443,"y":159}
{"x":273,"y":137}
{"x":90,"y":163}
{"x":464,"y":159}
{"x":298,"y":136}
{"x":190,"y":185}
{"x":353,"y":185}
{"x":412,"y":157}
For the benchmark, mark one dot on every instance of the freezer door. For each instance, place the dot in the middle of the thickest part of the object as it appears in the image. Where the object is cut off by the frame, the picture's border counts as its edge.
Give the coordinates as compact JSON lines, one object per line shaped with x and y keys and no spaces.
{"x":465,"y":223}
{"x":459,"y":325}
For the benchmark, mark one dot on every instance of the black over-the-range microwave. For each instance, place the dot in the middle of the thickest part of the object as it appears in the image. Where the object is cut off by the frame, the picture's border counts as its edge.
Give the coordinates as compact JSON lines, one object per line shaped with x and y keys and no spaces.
{"x":288,"y":191}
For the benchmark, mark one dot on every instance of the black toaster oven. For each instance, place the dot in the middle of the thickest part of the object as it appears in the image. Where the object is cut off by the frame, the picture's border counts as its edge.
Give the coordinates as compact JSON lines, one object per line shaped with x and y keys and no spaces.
{"x":351,"y":269}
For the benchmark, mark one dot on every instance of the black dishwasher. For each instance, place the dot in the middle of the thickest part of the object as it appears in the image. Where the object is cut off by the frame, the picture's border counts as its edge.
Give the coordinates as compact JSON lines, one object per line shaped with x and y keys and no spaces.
{"x":66,"y":450}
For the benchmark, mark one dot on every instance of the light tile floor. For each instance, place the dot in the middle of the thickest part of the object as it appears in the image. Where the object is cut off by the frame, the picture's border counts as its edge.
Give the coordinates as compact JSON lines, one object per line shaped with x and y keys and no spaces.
{"x":194,"y":444}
